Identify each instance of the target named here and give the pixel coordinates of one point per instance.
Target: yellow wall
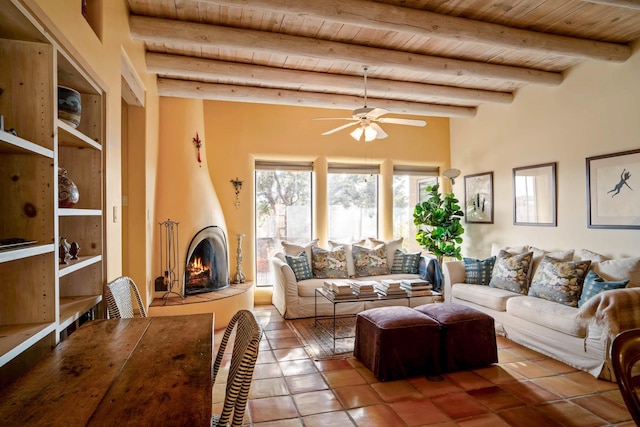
(240, 133)
(594, 112)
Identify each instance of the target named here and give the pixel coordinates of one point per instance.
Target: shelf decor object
(239, 277)
(69, 106)
(68, 194)
(169, 263)
(612, 190)
(478, 198)
(534, 195)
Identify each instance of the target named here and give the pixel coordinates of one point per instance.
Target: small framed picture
(534, 195)
(613, 190)
(478, 198)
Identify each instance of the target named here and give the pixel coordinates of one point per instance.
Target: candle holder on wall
(237, 185)
(169, 263)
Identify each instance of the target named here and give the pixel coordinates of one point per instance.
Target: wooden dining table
(154, 371)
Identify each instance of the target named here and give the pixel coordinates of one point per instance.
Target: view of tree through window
(353, 206)
(405, 198)
(283, 212)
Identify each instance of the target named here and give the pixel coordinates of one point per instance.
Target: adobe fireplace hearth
(207, 262)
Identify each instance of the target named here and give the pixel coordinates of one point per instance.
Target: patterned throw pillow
(370, 262)
(594, 284)
(329, 264)
(478, 272)
(559, 281)
(300, 266)
(510, 272)
(405, 262)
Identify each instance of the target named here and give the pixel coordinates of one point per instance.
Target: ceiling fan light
(370, 134)
(357, 133)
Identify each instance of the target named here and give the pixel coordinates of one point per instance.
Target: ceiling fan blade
(335, 118)
(399, 121)
(329, 132)
(377, 112)
(381, 134)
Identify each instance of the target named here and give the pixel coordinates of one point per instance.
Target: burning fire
(197, 270)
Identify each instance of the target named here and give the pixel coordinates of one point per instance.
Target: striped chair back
(119, 302)
(243, 360)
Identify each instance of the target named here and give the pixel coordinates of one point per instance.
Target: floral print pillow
(511, 272)
(559, 281)
(370, 261)
(329, 264)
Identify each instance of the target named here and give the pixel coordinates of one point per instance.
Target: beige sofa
(296, 299)
(580, 337)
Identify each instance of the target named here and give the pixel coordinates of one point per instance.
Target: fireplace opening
(207, 262)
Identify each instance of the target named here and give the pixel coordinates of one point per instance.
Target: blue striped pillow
(478, 272)
(300, 266)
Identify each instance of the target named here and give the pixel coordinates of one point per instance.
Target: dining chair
(119, 301)
(625, 355)
(248, 333)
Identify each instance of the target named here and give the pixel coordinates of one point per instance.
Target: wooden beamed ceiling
(428, 58)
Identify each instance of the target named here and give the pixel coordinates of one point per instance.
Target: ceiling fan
(367, 119)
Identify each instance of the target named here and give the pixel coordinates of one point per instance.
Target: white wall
(595, 111)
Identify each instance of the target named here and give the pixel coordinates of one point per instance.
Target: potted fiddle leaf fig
(437, 221)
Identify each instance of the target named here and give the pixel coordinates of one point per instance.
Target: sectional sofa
(570, 307)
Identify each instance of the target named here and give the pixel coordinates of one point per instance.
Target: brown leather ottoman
(397, 342)
(468, 336)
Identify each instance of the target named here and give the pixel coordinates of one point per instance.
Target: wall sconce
(237, 185)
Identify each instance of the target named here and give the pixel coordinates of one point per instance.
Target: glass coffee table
(322, 293)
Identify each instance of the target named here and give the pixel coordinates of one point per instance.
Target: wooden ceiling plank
(170, 31)
(401, 19)
(219, 92)
(630, 4)
(246, 74)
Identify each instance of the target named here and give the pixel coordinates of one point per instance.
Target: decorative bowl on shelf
(68, 194)
(69, 106)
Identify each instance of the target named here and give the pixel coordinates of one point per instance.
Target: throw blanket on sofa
(615, 310)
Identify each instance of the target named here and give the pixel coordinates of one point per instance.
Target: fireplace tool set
(169, 259)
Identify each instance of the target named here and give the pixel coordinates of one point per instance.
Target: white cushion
(294, 249)
(619, 269)
(391, 246)
(513, 250)
(549, 314)
(493, 298)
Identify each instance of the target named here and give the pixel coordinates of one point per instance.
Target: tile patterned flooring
(525, 388)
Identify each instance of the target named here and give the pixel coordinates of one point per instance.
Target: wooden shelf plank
(11, 144)
(70, 137)
(71, 308)
(78, 264)
(79, 212)
(14, 339)
(25, 251)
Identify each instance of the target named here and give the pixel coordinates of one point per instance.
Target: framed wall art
(478, 198)
(613, 190)
(534, 195)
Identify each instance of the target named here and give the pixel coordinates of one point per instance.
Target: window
(283, 211)
(407, 182)
(353, 201)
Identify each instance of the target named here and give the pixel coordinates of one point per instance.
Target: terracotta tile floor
(525, 388)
